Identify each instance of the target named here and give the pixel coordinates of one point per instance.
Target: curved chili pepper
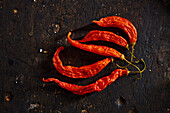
(126, 25)
(101, 50)
(99, 85)
(96, 35)
(79, 72)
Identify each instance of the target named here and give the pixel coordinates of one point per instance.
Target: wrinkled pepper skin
(97, 35)
(97, 49)
(122, 23)
(99, 85)
(78, 72)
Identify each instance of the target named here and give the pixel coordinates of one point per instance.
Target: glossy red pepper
(97, 35)
(124, 24)
(99, 85)
(79, 72)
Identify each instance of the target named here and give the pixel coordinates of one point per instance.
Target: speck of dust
(43, 5)
(56, 28)
(15, 11)
(32, 106)
(150, 70)
(41, 50)
(83, 111)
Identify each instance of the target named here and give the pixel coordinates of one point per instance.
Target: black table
(31, 31)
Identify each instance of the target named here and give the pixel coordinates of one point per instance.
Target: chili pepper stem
(127, 46)
(112, 60)
(131, 58)
(138, 71)
(123, 58)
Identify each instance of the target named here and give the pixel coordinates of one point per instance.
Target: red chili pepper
(126, 25)
(99, 85)
(79, 72)
(96, 35)
(101, 50)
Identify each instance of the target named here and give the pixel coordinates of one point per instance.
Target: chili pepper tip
(69, 33)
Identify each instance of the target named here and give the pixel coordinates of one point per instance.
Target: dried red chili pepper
(101, 50)
(79, 72)
(99, 85)
(126, 25)
(96, 35)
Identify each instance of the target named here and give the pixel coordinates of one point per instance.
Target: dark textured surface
(32, 28)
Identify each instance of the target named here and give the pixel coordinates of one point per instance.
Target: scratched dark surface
(28, 27)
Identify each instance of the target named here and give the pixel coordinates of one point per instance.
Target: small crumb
(151, 47)
(120, 101)
(15, 11)
(16, 82)
(150, 70)
(7, 98)
(32, 106)
(56, 28)
(90, 106)
(34, 96)
(43, 85)
(83, 111)
(30, 33)
(168, 109)
(41, 50)
(43, 5)
(58, 111)
(103, 5)
(45, 51)
(61, 103)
